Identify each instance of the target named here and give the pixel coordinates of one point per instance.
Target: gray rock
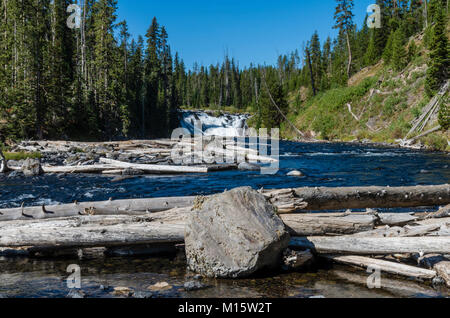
(295, 173)
(438, 281)
(245, 166)
(32, 167)
(143, 295)
(15, 174)
(234, 234)
(294, 260)
(194, 285)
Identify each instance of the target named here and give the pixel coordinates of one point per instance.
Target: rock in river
(32, 167)
(234, 235)
(295, 173)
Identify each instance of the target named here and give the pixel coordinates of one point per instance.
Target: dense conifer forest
(98, 82)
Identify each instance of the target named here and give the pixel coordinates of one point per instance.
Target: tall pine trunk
(349, 67)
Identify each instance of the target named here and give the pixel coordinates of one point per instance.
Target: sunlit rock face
(206, 124)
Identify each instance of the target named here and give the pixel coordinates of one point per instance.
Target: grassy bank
(22, 155)
(378, 105)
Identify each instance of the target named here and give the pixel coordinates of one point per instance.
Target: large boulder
(32, 167)
(234, 235)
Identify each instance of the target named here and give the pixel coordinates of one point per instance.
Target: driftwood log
(163, 169)
(393, 285)
(309, 224)
(93, 231)
(286, 200)
(374, 197)
(384, 266)
(116, 207)
(352, 245)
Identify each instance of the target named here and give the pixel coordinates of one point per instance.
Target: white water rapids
(203, 123)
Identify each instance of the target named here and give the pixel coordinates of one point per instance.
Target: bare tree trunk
(352, 245)
(425, 13)
(349, 67)
(385, 266)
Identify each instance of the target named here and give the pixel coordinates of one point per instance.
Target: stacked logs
(414, 245)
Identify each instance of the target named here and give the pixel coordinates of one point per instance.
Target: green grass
(327, 113)
(22, 155)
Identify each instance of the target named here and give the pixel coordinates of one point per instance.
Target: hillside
(379, 105)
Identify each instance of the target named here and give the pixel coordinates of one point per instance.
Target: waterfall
(231, 125)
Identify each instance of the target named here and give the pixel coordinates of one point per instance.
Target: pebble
(143, 295)
(194, 285)
(123, 292)
(295, 173)
(438, 281)
(160, 286)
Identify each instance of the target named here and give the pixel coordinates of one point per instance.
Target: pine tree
(344, 22)
(439, 61)
(151, 78)
(387, 53)
(399, 55)
(60, 71)
(412, 50)
(371, 55)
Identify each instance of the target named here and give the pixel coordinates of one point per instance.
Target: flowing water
(323, 165)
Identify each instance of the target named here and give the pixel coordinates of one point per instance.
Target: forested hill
(97, 82)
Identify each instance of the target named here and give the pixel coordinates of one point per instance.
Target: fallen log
(442, 213)
(352, 245)
(79, 235)
(407, 231)
(159, 169)
(112, 207)
(73, 169)
(393, 219)
(398, 287)
(309, 224)
(374, 197)
(384, 266)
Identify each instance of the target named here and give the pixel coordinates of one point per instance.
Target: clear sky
(249, 30)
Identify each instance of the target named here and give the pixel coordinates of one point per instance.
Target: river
(324, 164)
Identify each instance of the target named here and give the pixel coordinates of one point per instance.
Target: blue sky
(249, 30)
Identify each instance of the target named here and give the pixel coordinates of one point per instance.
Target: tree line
(98, 82)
